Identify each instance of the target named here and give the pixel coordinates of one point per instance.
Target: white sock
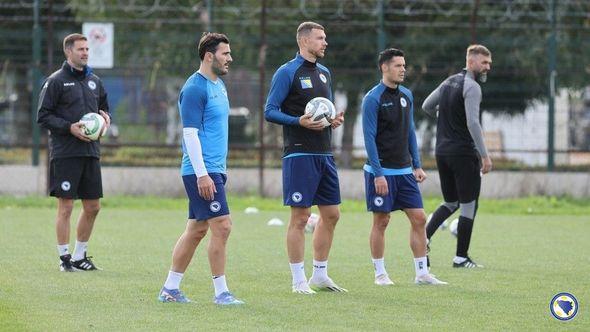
(173, 280)
(63, 249)
(220, 285)
(459, 259)
(379, 264)
(320, 270)
(420, 266)
(79, 250)
(298, 272)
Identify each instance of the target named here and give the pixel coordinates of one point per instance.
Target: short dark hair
(306, 27)
(387, 55)
(71, 39)
(209, 42)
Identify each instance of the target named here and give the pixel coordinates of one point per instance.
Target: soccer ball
(322, 109)
(312, 222)
(93, 125)
(453, 227)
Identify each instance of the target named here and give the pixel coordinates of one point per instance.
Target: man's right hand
(486, 164)
(381, 187)
(77, 129)
(206, 187)
(306, 121)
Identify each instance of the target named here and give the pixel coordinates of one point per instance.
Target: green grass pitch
(531, 248)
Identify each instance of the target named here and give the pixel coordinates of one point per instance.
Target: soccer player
(393, 167)
(204, 112)
(309, 171)
(461, 154)
(66, 96)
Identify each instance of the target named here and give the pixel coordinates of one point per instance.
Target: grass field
(532, 248)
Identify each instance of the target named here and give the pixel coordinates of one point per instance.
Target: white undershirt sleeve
(193, 149)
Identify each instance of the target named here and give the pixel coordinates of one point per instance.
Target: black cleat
(65, 264)
(468, 264)
(85, 264)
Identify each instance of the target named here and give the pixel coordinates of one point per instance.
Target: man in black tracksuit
(67, 95)
(461, 154)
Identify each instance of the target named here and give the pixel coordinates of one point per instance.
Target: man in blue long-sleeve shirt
(393, 167)
(309, 171)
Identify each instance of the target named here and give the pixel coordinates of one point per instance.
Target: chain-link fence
(154, 52)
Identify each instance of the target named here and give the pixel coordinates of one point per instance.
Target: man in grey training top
(461, 154)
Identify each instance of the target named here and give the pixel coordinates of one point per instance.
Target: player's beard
(318, 54)
(482, 77)
(218, 68)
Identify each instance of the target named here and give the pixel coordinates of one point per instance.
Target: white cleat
(429, 279)
(383, 280)
(302, 288)
(326, 285)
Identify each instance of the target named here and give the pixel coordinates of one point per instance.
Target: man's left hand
(107, 121)
(338, 120)
(420, 175)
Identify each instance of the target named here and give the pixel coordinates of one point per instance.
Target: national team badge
(305, 82)
(378, 201)
(564, 306)
(215, 206)
(403, 102)
(296, 197)
(65, 186)
(323, 78)
(91, 85)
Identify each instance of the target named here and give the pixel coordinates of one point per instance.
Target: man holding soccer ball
(67, 95)
(393, 167)
(309, 170)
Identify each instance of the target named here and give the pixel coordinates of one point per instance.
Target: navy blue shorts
(201, 209)
(403, 193)
(310, 180)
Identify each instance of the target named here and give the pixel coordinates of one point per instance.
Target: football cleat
(85, 264)
(227, 298)
(429, 279)
(468, 264)
(383, 280)
(172, 295)
(326, 285)
(302, 288)
(65, 263)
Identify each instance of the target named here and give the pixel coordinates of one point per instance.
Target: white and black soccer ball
(312, 222)
(453, 227)
(322, 109)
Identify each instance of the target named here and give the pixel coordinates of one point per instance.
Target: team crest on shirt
(91, 85)
(296, 197)
(224, 91)
(305, 82)
(403, 102)
(215, 206)
(378, 201)
(65, 186)
(323, 78)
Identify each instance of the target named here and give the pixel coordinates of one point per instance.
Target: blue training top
(389, 131)
(293, 85)
(203, 104)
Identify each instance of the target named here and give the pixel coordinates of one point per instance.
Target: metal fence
(155, 52)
